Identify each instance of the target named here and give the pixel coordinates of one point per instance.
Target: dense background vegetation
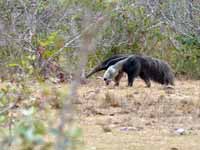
(46, 39)
(168, 30)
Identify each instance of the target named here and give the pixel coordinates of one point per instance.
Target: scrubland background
(46, 47)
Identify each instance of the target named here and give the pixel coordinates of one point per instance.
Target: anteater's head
(110, 74)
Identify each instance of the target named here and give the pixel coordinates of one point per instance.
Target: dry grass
(136, 118)
(140, 118)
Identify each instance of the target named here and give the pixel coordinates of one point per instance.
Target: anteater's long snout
(107, 81)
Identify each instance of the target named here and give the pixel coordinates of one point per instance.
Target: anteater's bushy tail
(159, 71)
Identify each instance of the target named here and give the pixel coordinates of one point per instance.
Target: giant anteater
(147, 68)
(107, 63)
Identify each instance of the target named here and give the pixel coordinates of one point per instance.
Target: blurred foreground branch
(87, 43)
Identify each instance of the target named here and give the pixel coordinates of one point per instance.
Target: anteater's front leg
(118, 78)
(132, 75)
(130, 79)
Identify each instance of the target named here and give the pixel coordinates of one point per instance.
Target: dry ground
(132, 118)
(140, 118)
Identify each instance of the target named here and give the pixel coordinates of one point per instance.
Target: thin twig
(8, 108)
(68, 43)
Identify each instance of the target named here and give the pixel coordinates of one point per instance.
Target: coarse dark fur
(147, 68)
(107, 63)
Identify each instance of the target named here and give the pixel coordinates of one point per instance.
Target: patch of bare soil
(140, 118)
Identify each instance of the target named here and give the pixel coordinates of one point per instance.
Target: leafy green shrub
(23, 117)
(187, 58)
